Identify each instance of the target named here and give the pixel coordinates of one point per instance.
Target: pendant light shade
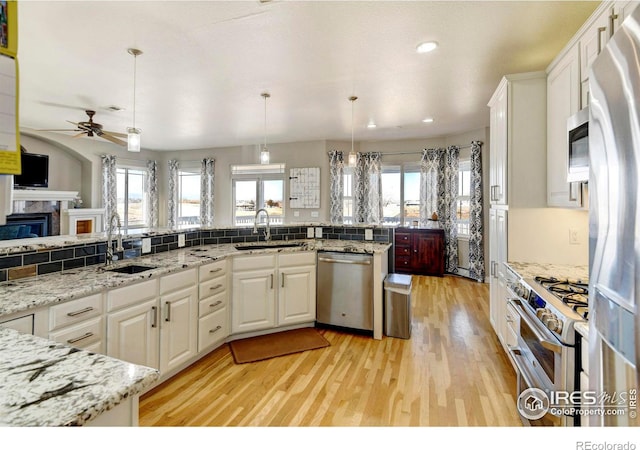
(133, 133)
(264, 152)
(352, 154)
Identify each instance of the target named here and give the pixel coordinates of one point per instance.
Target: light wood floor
(452, 372)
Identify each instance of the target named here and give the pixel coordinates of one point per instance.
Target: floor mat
(276, 344)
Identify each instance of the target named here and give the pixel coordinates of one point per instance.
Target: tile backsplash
(39, 262)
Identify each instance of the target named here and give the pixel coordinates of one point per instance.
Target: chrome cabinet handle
(493, 269)
(213, 288)
(168, 318)
(213, 305)
(81, 311)
(219, 327)
(600, 31)
(216, 270)
(612, 18)
(573, 193)
(84, 336)
(271, 281)
(282, 277)
(154, 317)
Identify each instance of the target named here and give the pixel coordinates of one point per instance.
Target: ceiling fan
(92, 128)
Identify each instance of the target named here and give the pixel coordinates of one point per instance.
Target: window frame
(402, 169)
(463, 226)
(193, 170)
(124, 220)
(255, 174)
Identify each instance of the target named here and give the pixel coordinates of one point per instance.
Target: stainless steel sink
(263, 246)
(131, 269)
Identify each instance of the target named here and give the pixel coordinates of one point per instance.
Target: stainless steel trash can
(397, 305)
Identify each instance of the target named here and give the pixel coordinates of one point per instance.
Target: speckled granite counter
(43, 383)
(531, 270)
(44, 290)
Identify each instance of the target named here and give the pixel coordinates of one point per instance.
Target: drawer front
(402, 238)
(403, 261)
(130, 295)
(297, 259)
(213, 303)
(254, 262)
(212, 328)
(210, 271)
(177, 281)
(75, 311)
(80, 335)
(402, 251)
(212, 287)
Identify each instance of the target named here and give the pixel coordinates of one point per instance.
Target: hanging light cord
(135, 58)
(265, 120)
(352, 100)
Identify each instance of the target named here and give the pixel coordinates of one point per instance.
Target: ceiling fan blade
(114, 133)
(74, 123)
(113, 139)
(58, 130)
(79, 134)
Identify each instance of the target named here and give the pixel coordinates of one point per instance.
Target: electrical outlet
(310, 232)
(181, 240)
(296, 214)
(574, 236)
(318, 232)
(315, 214)
(368, 234)
(146, 245)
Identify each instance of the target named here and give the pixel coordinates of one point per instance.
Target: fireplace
(39, 224)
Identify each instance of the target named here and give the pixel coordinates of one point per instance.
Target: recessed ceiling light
(427, 120)
(426, 47)
(371, 125)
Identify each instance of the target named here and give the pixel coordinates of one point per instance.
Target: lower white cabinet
(79, 323)
(213, 305)
(178, 327)
(273, 290)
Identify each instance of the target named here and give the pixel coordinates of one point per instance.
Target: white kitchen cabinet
(133, 323)
(213, 305)
(498, 227)
(269, 291)
(563, 100)
(79, 323)
(517, 147)
(178, 327)
(30, 322)
(591, 44)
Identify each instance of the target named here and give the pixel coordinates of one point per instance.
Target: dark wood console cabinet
(419, 251)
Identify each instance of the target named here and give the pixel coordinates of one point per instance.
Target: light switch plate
(318, 232)
(181, 240)
(368, 234)
(310, 232)
(146, 245)
(314, 214)
(296, 214)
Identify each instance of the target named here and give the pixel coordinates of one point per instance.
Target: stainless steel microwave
(578, 146)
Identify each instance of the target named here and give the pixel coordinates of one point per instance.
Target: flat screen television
(35, 171)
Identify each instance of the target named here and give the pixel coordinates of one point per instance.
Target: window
(400, 194)
(132, 202)
(347, 197)
(464, 197)
(188, 197)
(255, 187)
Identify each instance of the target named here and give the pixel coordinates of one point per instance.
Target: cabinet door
(563, 100)
(591, 44)
(297, 295)
(133, 334)
(498, 255)
(253, 300)
(178, 328)
(499, 145)
(428, 251)
(493, 275)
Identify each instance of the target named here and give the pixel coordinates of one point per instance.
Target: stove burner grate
(574, 294)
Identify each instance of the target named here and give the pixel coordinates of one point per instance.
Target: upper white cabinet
(563, 100)
(517, 134)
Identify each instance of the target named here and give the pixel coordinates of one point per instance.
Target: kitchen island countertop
(43, 383)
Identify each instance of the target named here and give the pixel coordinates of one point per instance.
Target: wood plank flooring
(452, 372)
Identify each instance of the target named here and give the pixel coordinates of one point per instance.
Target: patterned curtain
(368, 188)
(172, 210)
(447, 201)
(109, 186)
(206, 191)
(152, 193)
(476, 231)
(429, 184)
(439, 194)
(336, 192)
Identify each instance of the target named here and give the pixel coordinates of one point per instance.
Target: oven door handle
(530, 378)
(535, 328)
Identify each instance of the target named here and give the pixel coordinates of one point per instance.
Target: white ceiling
(205, 64)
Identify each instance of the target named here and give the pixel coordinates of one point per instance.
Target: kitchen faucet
(109, 256)
(267, 230)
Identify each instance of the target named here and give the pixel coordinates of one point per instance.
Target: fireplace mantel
(44, 195)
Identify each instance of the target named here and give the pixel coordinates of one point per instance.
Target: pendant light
(133, 133)
(352, 154)
(264, 152)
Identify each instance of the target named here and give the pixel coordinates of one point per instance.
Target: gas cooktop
(573, 293)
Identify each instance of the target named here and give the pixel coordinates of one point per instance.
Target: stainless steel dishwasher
(345, 290)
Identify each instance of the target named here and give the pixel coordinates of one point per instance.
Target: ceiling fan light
(133, 139)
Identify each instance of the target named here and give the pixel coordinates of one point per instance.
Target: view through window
(188, 197)
(401, 194)
(464, 197)
(132, 203)
(256, 187)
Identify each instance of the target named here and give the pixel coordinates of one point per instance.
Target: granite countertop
(44, 290)
(531, 270)
(43, 383)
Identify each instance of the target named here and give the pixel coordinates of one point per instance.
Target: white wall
(65, 169)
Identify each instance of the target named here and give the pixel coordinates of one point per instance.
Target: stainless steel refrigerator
(614, 228)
